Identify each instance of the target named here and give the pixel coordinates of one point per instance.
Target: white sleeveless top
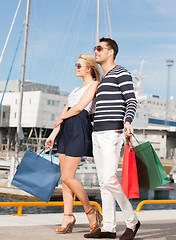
(75, 96)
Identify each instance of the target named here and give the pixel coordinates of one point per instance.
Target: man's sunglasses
(78, 66)
(99, 48)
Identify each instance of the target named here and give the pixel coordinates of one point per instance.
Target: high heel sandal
(69, 227)
(99, 218)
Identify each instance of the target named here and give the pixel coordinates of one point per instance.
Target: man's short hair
(112, 44)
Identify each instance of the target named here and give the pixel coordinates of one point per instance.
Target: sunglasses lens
(78, 65)
(99, 48)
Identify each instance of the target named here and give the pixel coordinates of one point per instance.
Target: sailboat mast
(23, 73)
(110, 31)
(2, 54)
(98, 20)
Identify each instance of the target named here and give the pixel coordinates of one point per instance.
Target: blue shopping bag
(37, 175)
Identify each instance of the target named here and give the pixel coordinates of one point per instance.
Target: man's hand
(128, 129)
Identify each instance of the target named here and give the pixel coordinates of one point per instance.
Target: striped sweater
(115, 100)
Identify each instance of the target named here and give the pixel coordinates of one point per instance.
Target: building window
(53, 102)
(57, 103)
(52, 117)
(3, 115)
(15, 101)
(15, 115)
(29, 100)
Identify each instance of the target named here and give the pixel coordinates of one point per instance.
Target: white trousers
(106, 151)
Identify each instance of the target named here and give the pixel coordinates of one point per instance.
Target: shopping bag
(151, 173)
(37, 175)
(129, 178)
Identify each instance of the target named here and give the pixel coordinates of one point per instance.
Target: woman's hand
(58, 121)
(49, 142)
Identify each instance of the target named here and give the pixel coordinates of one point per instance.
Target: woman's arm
(50, 140)
(65, 109)
(58, 120)
(84, 101)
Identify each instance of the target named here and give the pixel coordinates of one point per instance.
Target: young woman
(74, 141)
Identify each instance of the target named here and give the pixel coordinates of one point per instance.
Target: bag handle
(50, 152)
(129, 141)
(135, 138)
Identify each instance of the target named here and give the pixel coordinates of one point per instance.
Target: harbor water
(58, 209)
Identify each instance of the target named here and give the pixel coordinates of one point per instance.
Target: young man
(115, 110)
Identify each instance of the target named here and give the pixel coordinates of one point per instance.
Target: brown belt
(119, 131)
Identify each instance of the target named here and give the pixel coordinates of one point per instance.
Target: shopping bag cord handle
(129, 141)
(50, 152)
(135, 138)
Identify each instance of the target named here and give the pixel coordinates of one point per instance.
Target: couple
(114, 111)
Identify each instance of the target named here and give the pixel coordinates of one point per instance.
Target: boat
(4, 170)
(172, 175)
(152, 122)
(86, 174)
(155, 121)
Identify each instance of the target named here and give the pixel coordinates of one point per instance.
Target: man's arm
(127, 90)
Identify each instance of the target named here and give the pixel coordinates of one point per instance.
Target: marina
(93, 193)
(27, 114)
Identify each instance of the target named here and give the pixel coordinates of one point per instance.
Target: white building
(155, 121)
(42, 104)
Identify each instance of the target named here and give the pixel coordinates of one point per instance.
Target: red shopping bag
(129, 179)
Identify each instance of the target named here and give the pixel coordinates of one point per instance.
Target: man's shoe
(99, 234)
(129, 234)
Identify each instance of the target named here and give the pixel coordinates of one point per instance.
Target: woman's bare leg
(68, 196)
(68, 170)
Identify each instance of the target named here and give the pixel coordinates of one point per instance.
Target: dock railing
(153, 202)
(20, 205)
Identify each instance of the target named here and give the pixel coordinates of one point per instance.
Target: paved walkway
(159, 225)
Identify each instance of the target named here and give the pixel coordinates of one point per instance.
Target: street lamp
(169, 63)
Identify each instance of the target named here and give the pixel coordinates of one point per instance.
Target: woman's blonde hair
(90, 62)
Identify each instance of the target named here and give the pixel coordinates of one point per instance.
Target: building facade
(42, 104)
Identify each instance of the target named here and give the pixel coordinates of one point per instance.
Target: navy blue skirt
(75, 136)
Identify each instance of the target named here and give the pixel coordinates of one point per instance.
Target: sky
(59, 31)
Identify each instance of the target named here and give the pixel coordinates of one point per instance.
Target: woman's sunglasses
(78, 66)
(99, 48)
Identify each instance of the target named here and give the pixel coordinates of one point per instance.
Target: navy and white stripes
(115, 100)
